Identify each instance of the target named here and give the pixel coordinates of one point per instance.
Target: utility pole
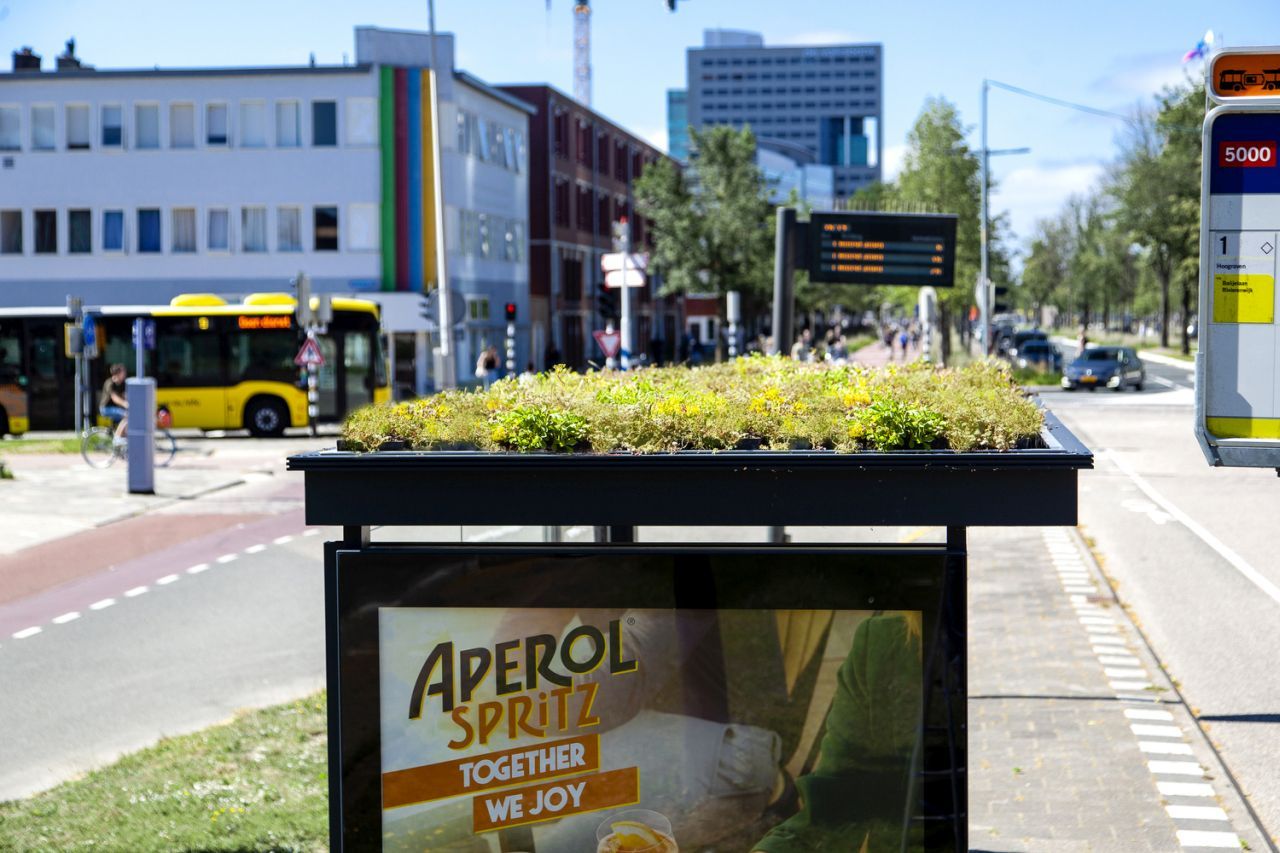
(75, 342)
(987, 303)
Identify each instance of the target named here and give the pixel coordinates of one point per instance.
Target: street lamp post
(987, 303)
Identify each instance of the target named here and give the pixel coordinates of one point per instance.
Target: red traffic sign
(309, 355)
(609, 342)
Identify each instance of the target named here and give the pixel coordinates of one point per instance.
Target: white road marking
(1082, 590)
(255, 549)
(135, 592)
(1096, 620)
(198, 568)
(1106, 641)
(1199, 838)
(282, 540)
(104, 603)
(1196, 812)
(1130, 685)
(1156, 747)
(166, 580)
(1185, 789)
(311, 531)
(226, 558)
(1124, 673)
(1119, 660)
(66, 617)
(1137, 714)
(27, 632)
(1102, 629)
(1160, 380)
(1148, 730)
(1175, 768)
(1239, 563)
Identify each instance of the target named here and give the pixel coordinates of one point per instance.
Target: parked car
(1039, 355)
(1023, 337)
(1105, 367)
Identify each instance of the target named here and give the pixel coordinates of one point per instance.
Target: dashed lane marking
(1148, 730)
(1185, 789)
(198, 568)
(135, 592)
(104, 603)
(1196, 812)
(1197, 838)
(1176, 768)
(255, 549)
(1142, 714)
(27, 632)
(282, 540)
(66, 617)
(226, 558)
(166, 580)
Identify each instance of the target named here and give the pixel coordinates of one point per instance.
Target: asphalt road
(1192, 550)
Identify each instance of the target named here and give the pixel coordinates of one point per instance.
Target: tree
(713, 227)
(941, 173)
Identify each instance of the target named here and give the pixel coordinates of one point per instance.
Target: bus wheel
(266, 418)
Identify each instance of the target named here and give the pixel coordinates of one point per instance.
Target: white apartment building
(132, 186)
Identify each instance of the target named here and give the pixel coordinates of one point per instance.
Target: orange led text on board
(267, 321)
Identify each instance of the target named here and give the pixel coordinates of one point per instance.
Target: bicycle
(100, 447)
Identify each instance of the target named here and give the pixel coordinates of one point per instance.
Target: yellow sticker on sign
(1244, 298)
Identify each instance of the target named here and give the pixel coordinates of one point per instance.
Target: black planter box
(1031, 486)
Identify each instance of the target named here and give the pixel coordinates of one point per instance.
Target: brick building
(581, 170)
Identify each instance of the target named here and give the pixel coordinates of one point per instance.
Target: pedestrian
(1083, 342)
(902, 342)
(801, 350)
(487, 366)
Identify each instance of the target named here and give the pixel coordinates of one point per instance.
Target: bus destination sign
(882, 248)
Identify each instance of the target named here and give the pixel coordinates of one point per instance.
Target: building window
(10, 232)
(562, 134)
(146, 129)
(603, 144)
(584, 143)
(215, 124)
(42, 133)
(77, 127)
(149, 230)
(219, 237)
(46, 232)
(326, 229)
(585, 209)
(184, 230)
(362, 228)
(478, 309)
(288, 124)
(362, 121)
(253, 229)
(182, 126)
(324, 123)
(253, 124)
(562, 202)
(620, 161)
(603, 222)
(10, 129)
(78, 230)
(113, 230)
(288, 229)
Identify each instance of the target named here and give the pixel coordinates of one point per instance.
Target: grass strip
(40, 445)
(259, 782)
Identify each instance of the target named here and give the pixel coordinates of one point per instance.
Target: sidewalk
(878, 355)
(1077, 739)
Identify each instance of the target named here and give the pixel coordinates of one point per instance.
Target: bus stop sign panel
(1238, 366)
(1249, 73)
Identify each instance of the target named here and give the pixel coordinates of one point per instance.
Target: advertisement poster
(573, 730)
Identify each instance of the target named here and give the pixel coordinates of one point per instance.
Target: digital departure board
(882, 248)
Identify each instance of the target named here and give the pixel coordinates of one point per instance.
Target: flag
(1202, 48)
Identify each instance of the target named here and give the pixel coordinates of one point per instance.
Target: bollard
(141, 394)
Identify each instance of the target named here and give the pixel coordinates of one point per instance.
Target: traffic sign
(1245, 74)
(309, 355)
(1237, 375)
(144, 333)
(611, 261)
(609, 341)
(618, 278)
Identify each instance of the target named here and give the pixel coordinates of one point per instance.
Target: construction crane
(582, 48)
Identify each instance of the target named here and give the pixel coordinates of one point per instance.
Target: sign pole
(624, 357)
(733, 314)
(784, 270)
(75, 308)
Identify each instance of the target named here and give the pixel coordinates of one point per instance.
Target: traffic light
(607, 302)
(1001, 307)
(511, 312)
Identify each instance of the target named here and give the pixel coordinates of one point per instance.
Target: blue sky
(1110, 55)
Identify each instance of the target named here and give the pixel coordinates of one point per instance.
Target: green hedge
(771, 403)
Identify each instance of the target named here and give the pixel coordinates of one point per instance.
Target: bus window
(357, 363)
(188, 352)
(263, 355)
(10, 351)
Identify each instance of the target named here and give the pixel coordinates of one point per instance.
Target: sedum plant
(755, 402)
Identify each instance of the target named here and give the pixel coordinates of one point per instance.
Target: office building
(132, 186)
(826, 100)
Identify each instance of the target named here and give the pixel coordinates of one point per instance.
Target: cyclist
(113, 403)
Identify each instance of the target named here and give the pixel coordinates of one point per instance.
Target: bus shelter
(658, 696)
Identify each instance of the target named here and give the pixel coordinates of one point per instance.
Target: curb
(1226, 788)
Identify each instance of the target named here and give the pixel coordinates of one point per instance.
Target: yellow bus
(217, 365)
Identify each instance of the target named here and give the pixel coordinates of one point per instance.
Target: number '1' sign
(1246, 154)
